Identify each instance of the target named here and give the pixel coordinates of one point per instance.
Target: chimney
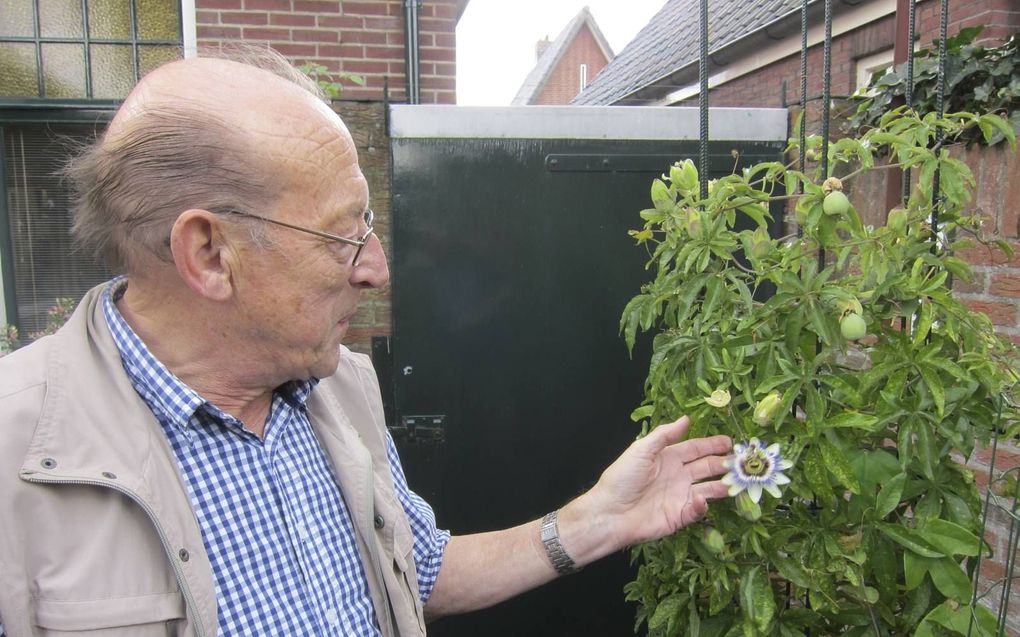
(541, 46)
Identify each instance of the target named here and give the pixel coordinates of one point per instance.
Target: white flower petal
(754, 492)
(727, 479)
(773, 490)
(780, 478)
(735, 489)
(773, 449)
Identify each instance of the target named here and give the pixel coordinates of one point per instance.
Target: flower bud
(684, 175)
(713, 540)
(766, 409)
(747, 508)
(761, 243)
(694, 223)
(897, 220)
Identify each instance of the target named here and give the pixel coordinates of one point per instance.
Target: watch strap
(550, 535)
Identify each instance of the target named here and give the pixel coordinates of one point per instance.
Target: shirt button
(332, 617)
(380, 521)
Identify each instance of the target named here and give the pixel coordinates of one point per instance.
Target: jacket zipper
(178, 572)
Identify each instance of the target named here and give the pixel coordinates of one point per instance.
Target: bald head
(200, 133)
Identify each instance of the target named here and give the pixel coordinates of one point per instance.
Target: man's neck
(197, 352)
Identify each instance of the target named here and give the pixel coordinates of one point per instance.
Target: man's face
(297, 297)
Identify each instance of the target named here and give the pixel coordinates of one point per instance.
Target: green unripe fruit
(853, 327)
(897, 220)
(836, 204)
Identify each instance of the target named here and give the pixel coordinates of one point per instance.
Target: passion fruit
(836, 204)
(852, 326)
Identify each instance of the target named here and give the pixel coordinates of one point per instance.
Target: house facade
(565, 66)
(66, 64)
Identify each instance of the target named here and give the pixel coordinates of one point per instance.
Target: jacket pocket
(157, 615)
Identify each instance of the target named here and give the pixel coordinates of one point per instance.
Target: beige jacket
(96, 529)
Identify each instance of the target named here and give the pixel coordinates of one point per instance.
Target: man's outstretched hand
(658, 485)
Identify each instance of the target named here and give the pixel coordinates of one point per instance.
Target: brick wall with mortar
(563, 83)
(994, 290)
(764, 86)
(367, 122)
(365, 38)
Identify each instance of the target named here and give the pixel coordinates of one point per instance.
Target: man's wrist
(550, 536)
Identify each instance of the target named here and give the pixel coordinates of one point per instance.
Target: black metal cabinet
(511, 265)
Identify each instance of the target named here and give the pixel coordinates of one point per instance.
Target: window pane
(158, 19)
(113, 74)
(18, 77)
(109, 20)
(46, 264)
(149, 57)
(60, 18)
(16, 18)
(64, 70)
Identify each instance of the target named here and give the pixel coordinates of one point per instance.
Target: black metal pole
(703, 103)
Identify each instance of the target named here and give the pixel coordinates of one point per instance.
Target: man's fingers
(707, 467)
(691, 450)
(714, 490)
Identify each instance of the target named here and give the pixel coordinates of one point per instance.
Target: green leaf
(950, 538)
(908, 540)
(882, 565)
(642, 412)
(925, 450)
(915, 568)
(756, 600)
(889, 496)
(668, 608)
(838, 465)
(791, 570)
(853, 420)
(660, 196)
(813, 466)
(949, 578)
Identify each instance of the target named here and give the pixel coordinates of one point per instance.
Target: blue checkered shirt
(273, 518)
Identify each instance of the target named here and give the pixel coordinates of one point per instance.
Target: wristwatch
(551, 540)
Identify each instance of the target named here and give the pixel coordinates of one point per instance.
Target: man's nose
(372, 270)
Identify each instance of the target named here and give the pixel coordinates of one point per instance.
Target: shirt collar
(164, 393)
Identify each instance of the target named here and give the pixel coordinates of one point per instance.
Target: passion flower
(754, 468)
(719, 398)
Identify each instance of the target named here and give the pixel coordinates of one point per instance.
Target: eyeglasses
(369, 218)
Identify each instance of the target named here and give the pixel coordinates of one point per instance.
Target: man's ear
(203, 255)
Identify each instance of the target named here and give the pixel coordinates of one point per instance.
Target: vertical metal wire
(940, 98)
(826, 105)
(703, 103)
(803, 88)
(909, 94)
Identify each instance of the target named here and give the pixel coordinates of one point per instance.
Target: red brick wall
(366, 38)
(994, 290)
(763, 87)
(563, 84)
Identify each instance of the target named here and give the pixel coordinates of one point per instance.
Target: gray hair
(130, 189)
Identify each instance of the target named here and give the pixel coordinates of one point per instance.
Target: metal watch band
(551, 540)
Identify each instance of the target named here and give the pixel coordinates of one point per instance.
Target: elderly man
(195, 453)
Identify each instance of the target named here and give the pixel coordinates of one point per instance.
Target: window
(46, 265)
(871, 64)
(584, 76)
(84, 49)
